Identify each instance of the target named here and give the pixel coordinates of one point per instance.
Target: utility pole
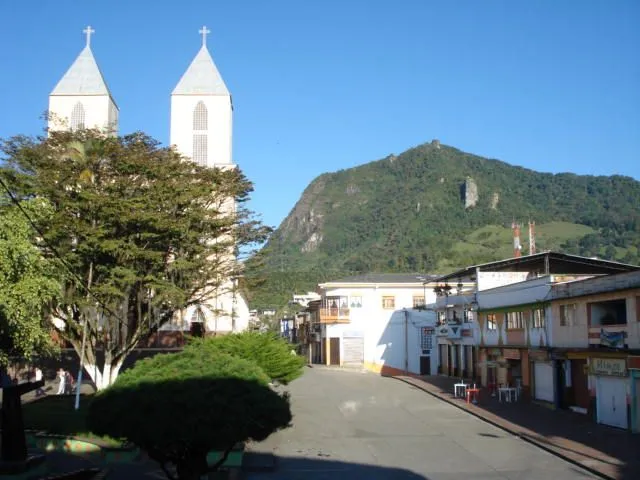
(406, 340)
(517, 247)
(532, 237)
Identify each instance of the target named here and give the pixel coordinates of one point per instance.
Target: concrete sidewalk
(607, 452)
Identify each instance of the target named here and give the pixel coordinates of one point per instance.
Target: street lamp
(79, 381)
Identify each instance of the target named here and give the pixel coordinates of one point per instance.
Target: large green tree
(141, 231)
(28, 284)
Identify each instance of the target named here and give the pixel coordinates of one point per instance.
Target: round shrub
(178, 407)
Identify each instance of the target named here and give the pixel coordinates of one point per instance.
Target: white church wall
(99, 111)
(219, 118)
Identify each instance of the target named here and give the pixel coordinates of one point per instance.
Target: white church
(201, 129)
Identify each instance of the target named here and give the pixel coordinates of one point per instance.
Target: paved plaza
(357, 425)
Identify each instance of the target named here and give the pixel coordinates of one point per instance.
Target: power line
(16, 202)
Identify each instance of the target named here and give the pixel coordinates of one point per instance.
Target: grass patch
(56, 414)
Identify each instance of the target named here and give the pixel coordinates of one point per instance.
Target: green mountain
(434, 208)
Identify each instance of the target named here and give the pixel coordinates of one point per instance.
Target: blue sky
(324, 85)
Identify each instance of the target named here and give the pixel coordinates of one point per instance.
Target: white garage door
(543, 381)
(611, 401)
(353, 351)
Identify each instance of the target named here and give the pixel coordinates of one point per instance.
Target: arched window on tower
(200, 116)
(200, 140)
(77, 117)
(198, 323)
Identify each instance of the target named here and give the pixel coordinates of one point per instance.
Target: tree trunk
(102, 378)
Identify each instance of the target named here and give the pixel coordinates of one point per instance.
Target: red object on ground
(472, 392)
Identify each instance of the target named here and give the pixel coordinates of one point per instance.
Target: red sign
(511, 354)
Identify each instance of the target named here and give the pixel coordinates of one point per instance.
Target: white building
(201, 129)
(377, 321)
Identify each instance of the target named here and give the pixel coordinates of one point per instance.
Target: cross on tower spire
(88, 31)
(204, 31)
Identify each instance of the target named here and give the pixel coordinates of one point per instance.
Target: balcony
(330, 315)
(608, 323)
(449, 301)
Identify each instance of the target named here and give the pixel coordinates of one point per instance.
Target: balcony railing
(334, 315)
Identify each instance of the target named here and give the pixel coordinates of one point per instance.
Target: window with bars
(492, 321)
(198, 315)
(426, 339)
(388, 302)
(418, 301)
(77, 117)
(567, 315)
(515, 321)
(200, 117)
(200, 140)
(538, 318)
(200, 149)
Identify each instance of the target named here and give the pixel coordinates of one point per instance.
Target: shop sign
(538, 355)
(467, 332)
(442, 331)
(616, 367)
(633, 363)
(511, 353)
(449, 331)
(494, 351)
(488, 364)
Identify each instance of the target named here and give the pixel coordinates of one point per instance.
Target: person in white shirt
(37, 376)
(61, 385)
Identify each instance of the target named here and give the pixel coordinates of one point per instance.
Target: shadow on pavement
(572, 434)
(290, 468)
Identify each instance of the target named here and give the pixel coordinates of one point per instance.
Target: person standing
(61, 385)
(37, 376)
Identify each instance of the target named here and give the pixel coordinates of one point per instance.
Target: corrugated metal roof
(545, 263)
(386, 278)
(201, 78)
(83, 77)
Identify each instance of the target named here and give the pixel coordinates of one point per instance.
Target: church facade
(201, 122)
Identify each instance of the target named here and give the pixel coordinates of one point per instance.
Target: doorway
(334, 351)
(425, 365)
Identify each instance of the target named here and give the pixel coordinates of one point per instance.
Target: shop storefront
(503, 366)
(609, 378)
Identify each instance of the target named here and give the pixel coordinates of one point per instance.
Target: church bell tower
(201, 112)
(81, 99)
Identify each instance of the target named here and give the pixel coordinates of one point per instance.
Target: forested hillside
(433, 209)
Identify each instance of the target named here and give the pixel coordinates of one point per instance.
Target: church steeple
(201, 112)
(202, 77)
(81, 99)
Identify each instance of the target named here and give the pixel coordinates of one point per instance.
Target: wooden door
(579, 383)
(425, 365)
(334, 351)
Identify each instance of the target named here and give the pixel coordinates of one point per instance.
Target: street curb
(511, 431)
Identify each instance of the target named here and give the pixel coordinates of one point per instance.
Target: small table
(508, 392)
(461, 386)
(472, 395)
